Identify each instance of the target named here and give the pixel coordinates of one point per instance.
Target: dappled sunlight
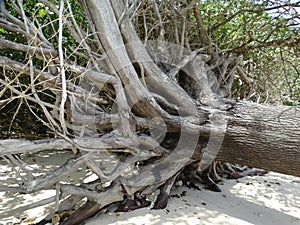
(39, 164)
(206, 217)
(279, 192)
(115, 106)
(11, 202)
(162, 217)
(246, 201)
(270, 199)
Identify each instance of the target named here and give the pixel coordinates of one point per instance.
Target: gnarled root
(192, 174)
(133, 203)
(231, 171)
(84, 212)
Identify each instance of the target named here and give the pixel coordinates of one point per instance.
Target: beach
(270, 199)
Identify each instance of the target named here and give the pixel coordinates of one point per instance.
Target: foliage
(267, 39)
(140, 91)
(15, 110)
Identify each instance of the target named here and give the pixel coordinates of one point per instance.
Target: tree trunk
(139, 114)
(263, 136)
(257, 135)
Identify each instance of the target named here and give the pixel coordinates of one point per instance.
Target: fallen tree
(263, 136)
(139, 114)
(257, 135)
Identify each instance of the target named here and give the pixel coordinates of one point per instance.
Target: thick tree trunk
(256, 135)
(263, 136)
(149, 111)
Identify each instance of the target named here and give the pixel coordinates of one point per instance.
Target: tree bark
(257, 135)
(263, 136)
(138, 113)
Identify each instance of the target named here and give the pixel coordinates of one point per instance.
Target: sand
(270, 199)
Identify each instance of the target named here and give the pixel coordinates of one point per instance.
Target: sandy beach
(270, 199)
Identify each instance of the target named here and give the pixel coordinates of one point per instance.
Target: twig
(162, 29)
(62, 70)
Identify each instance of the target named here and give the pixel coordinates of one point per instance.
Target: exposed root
(208, 181)
(131, 110)
(84, 212)
(214, 174)
(231, 171)
(192, 175)
(162, 200)
(132, 203)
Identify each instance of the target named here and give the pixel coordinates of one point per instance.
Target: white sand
(270, 199)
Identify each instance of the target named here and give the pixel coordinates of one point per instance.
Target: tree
(141, 94)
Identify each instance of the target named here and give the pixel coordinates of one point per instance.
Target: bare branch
(40, 52)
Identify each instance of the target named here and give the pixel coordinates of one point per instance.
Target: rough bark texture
(140, 110)
(263, 136)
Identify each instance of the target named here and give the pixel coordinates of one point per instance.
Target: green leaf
(3, 31)
(39, 4)
(42, 13)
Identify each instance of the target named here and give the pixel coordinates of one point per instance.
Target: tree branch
(40, 52)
